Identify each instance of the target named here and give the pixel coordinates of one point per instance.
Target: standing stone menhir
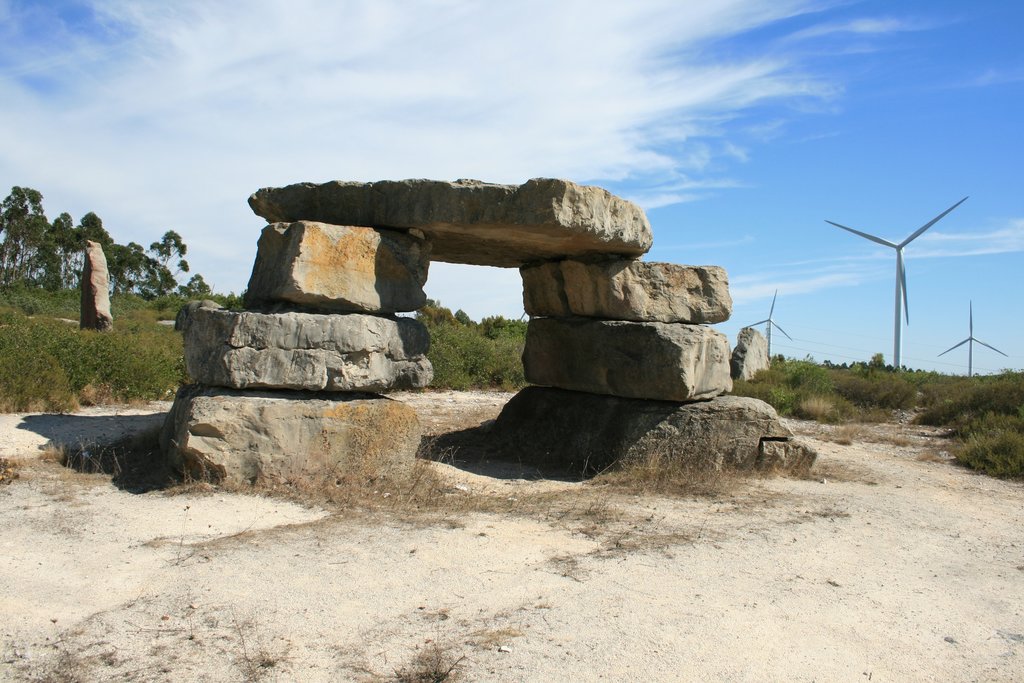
(95, 311)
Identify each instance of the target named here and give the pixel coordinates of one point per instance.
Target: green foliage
(50, 365)
(955, 401)
(994, 444)
(790, 387)
(466, 354)
(876, 390)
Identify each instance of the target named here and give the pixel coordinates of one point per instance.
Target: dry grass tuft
(492, 638)
(847, 434)
(432, 664)
(661, 474)
(817, 408)
(8, 471)
(932, 456)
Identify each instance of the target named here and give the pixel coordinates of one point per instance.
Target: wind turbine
(970, 345)
(771, 323)
(901, 278)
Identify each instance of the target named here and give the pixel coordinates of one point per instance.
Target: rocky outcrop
(750, 355)
(338, 268)
(623, 289)
(95, 310)
(585, 433)
(662, 361)
(303, 351)
(237, 437)
(468, 221)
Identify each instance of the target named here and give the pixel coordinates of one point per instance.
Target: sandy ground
(889, 564)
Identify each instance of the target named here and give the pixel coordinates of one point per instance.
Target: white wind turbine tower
(970, 344)
(901, 278)
(771, 323)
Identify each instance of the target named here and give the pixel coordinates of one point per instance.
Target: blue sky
(740, 126)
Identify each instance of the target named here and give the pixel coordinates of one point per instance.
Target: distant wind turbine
(901, 278)
(771, 323)
(970, 341)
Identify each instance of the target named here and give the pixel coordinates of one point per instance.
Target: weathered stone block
(468, 221)
(95, 310)
(339, 268)
(661, 361)
(750, 355)
(303, 351)
(585, 433)
(627, 290)
(252, 437)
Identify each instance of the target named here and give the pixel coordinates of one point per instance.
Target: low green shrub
(463, 358)
(468, 355)
(875, 390)
(958, 400)
(994, 444)
(49, 364)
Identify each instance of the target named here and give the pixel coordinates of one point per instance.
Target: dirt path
(891, 564)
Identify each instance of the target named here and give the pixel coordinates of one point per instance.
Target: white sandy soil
(890, 564)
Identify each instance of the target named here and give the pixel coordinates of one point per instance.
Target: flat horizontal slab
(585, 433)
(339, 268)
(304, 351)
(627, 290)
(469, 221)
(661, 361)
(247, 437)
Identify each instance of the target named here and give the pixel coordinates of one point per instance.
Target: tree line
(35, 252)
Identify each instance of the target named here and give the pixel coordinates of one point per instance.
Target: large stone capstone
(253, 437)
(627, 290)
(303, 351)
(338, 268)
(95, 310)
(585, 433)
(468, 221)
(662, 361)
(750, 355)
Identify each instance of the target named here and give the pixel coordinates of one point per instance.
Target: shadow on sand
(126, 447)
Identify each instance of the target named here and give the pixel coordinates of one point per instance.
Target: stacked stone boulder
(625, 364)
(290, 387)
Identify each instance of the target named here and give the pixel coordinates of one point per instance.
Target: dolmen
(620, 352)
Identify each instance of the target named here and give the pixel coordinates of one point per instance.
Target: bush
(957, 401)
(876, 390)
(994, 444)
(463, 359)
(465, 354)
(50, 365)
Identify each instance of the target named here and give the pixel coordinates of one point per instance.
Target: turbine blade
(990, 346)
(772, 309)
(917, 233)
(782, 331)
(759, 322)
(971, 319)
(954, 347)
(879, 240)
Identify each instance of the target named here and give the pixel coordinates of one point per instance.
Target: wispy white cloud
(167, 115)
(1004, 240)
(864, 26)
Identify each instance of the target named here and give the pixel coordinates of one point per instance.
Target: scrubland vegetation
(985, 414)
